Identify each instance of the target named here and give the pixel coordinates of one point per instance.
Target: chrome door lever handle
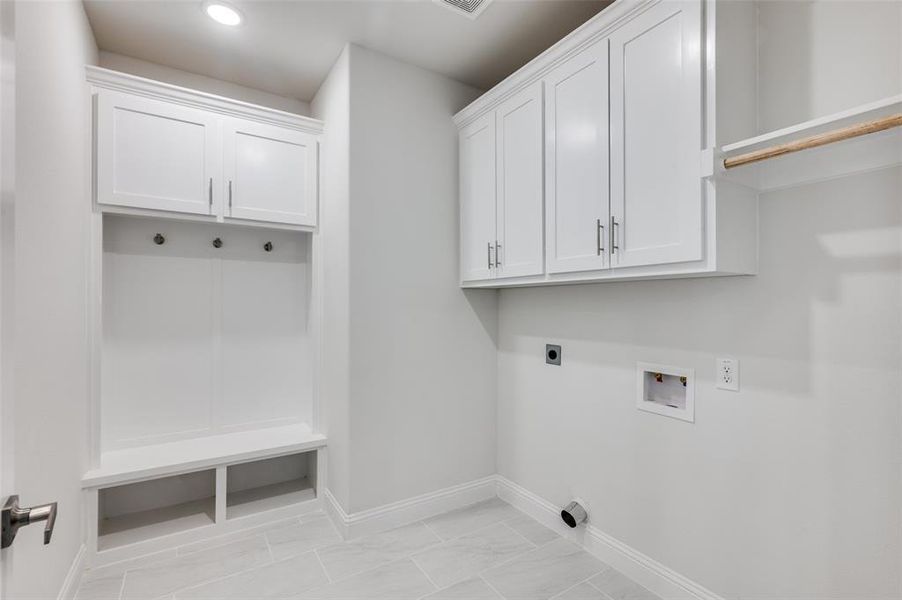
(13, 517)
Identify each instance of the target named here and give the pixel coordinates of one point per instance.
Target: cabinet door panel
(270, 173)
(656, 133)
(155, 155)
(477, 199)
(576, 177)
(520, 243)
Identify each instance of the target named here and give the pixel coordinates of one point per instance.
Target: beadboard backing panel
(239, 313)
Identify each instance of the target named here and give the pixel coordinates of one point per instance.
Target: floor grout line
(433, 531)
(492, 587)
(520, 535)
(578, 583)
(322, 564)
(121, 587)
(272, 557)
(426, 575)
(601, 591)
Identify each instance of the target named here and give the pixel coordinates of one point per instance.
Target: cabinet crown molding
(123, 82)
(590, 32)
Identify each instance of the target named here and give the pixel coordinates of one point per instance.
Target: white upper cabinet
(605, 152)
(577, 213)
(172, 150)
(153, 154)
(477, 199)
(656, 136)
(269, 173)
(518, 249)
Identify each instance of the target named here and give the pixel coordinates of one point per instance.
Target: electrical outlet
(727, 377)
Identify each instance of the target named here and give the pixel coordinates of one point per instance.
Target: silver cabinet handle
(614, 226)
(230, 196)
(599, 231)
(497, 254)
(210, 193)
(489, 253)
(13, 517)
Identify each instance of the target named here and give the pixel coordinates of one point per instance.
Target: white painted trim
(131, 84)
(335, 512)
(406, 511)
(643, 569)
(73, 577)
(590, 32)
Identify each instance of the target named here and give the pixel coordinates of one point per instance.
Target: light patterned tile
(583, 591)
(165, 577)
(401, 580)
(470, 518)
(531, 529)
(354, 556)
(100, 588)
(283, 579)
(620, 587)
(469, 589)
(544, 572)
(467, 555)
(299, 537)
(236, 536)
(119, 568)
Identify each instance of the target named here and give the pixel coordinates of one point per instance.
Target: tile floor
(486, 551)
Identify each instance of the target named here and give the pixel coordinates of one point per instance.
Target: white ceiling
(287, 47)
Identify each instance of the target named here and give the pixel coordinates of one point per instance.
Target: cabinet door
(520, 244)
(477, 199)
(577, 196)
(656, 136)
(270, 173)
(156, 155)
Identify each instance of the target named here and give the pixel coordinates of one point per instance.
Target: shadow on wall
(485, 306)
(811, 63)
(828, 289)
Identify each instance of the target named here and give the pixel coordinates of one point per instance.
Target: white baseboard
(406, 511)
(73, 577)
(646, 571)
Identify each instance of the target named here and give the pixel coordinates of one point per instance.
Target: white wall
(190, 332)
(423, 365)
(54, 42)
(417, 353)
(158, 72)
(791, 487)
(843, 53)
(330, 257)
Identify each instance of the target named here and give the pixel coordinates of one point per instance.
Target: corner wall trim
(641, 568)
(373, 520)
(73, 577)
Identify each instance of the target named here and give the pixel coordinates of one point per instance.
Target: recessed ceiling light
(223, 13)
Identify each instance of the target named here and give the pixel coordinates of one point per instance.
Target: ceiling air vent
(468, 8)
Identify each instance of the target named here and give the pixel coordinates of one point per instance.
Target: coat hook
(217, 243)
(268, 246)
(159, 240)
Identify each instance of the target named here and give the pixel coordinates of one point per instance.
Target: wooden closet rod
(814, 141)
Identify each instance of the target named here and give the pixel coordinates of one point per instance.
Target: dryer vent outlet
(574, 514)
